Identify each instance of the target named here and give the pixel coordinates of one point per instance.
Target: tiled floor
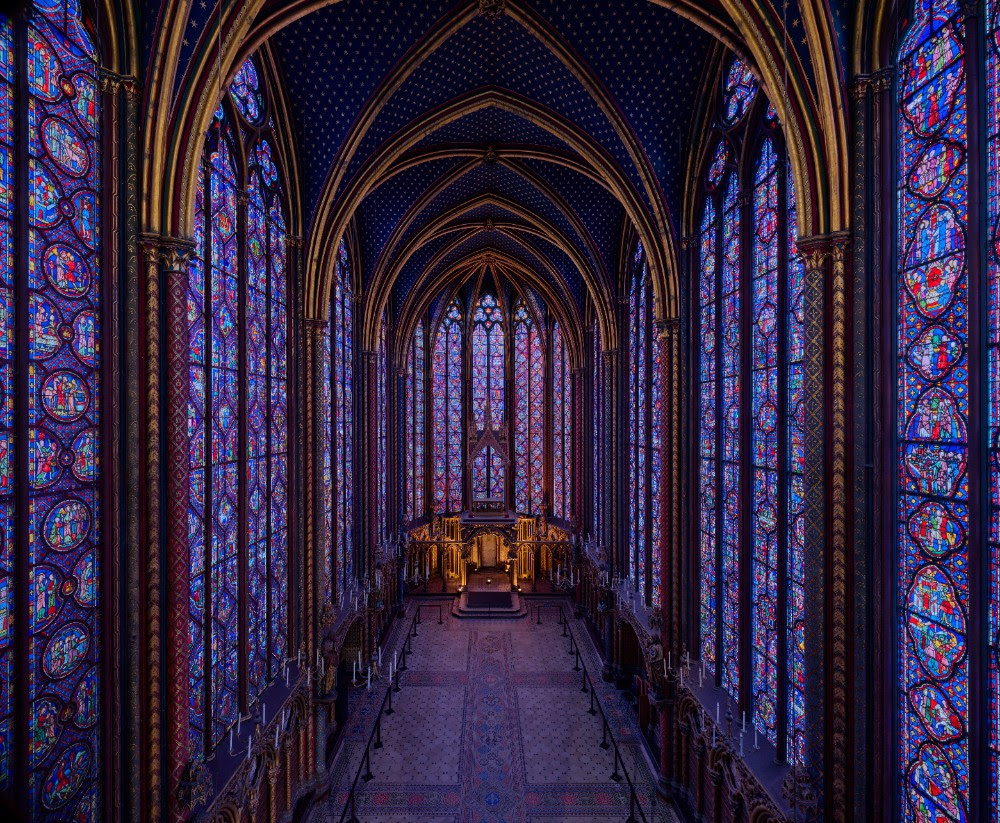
(491, 726)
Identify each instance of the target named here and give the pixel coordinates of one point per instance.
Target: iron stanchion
(614, 774)
(396, 687)
(604, 734)
(576, 668)
(592, 710)
(390, 709)
(378, 731)
(368, 766)
(565, 624)
(583, 678)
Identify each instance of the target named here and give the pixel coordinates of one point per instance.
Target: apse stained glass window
(50, 361)
(739, 91)
(447, 410)
(237, 424)
(561, 426)
(933, 415)
(529, 412)
(764, 444)
(415, 420)
(339, 354)
(487, 361)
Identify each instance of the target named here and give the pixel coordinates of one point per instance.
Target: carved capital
(293, 241)
(859, 87)
(195, 786)
(242, 198)
(881, 80)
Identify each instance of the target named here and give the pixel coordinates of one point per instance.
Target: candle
(309, 673)
(755, 738)
(276, 736)
(700, 678)
(668, 660)
(249, 744)
(741, 744)
(369, 678)
(664, 668)
(263, 714)
(239, 724)
(394, 659)
(354, 671)
(230, 739)
(359, 658)
(380, 655)
(713, 737)
(744, 721)
(286, 677)
(716, 711)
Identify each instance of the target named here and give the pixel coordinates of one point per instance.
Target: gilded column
(312, 584)
(150, 589)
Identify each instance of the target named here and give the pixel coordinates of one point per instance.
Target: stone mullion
(370, 472)
(110, 452)
(295, 389)
(587, 418)
(312, 582)
(608, 443)
(865, 160)
(548, 501)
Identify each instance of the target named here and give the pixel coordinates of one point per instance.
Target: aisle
(490, 727)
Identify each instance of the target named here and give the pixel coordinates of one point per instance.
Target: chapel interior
(499, 411)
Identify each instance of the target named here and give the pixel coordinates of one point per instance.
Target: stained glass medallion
(739, 90)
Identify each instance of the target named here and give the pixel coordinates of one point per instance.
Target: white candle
(354, 670)
(230, 739)
(668, 660)
(275, 736)
(263, 714)
(369, 678)
(700, 673)
(744, 721)
(380, 655)
(394, 659)
(716, 711)
(359, 658)
(249, 744)
(309, 675)
(239, 724)
(286, 677)
(741, 744)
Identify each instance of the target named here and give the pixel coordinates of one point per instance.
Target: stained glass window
(415, 419)
(382, 430)
(561, 426)
(447, 400)
(764, 444)
(795, 467)
(708, 435)
(739, 91)
(51, 366)
(529, 411)
(238, 428)
(245, 91)
(933, 415)
(487, 360)
(732, 389)
(338, 352)
(640, 332)
(993, 367)
(597, 444)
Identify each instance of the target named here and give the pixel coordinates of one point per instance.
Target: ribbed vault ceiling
(586, 117)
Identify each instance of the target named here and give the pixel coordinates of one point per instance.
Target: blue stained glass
(487, 358)
(730, 422)
(708, 431)
(61, 670)
(764, 445)
(415, 400)
(932, 424)
(562, 413)
(447, 421)
(341, 353)
(739, 91)
(528, 412)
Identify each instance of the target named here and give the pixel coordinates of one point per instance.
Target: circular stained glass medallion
(67, 524)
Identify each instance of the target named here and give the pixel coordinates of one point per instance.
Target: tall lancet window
(447, 409)
(382, 445)
(750, 435)
(414, 421)
(644, 438)
(237, 420)
(597, 444)
(488, 469)
(51, 448)
(338, 429)
(562, 408)
(946, 541)
(529, 412)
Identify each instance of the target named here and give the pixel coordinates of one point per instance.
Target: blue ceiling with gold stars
(623, 75)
